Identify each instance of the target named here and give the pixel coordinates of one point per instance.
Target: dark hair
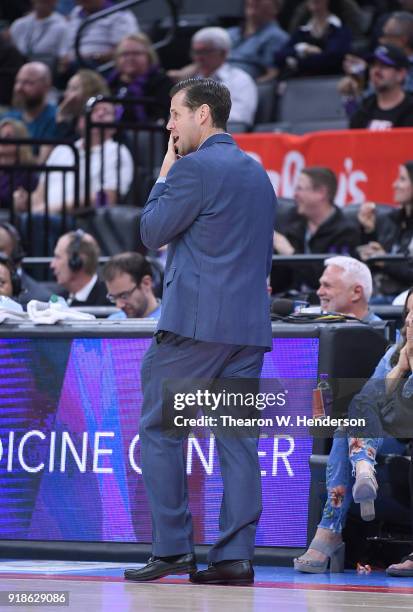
(7, 263)
(17, 253)
(130, 263)
(88, 250)
(409, 167)
(206, 91)
(15, 279)
(322, 177)
(395, 357)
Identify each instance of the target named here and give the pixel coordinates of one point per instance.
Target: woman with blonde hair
(137, 74)
(14, 155)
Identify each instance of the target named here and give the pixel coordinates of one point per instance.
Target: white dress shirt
(243, 90)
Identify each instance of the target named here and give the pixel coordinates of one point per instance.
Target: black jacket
(399, 116)
(32, 290)
(337, 235)
(395, 233)
(97, 297)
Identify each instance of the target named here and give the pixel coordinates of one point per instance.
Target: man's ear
(357, 293)
(204, 112)
(322, 189)
(146, 281)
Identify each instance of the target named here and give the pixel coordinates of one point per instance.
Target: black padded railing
(35, 225)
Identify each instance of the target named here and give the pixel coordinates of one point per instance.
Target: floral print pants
(341, 466)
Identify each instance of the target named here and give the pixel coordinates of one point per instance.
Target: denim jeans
(344, 454)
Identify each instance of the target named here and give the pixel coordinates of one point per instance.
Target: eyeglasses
(131, 53)
(27, 81)
(201, 52)
(124, 296)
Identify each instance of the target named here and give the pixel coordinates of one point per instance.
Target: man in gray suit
(215, 207)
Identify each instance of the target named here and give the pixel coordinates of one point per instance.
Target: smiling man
(346, 287)
(209, 51)
(215, 208)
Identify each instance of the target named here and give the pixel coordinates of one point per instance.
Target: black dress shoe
(157, 567)
(234, 572)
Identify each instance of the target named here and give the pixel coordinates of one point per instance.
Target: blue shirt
(44, 126)
(371, 317)
(155, 314)
(255, 53)
(384, 367)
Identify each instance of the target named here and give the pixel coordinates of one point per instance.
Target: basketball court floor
(99, 587)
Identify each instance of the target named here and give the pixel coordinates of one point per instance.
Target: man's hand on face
(170, 157)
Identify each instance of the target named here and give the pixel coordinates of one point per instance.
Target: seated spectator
(327, 547)
(390, 106)
(10, 244)
(316, 48)
(75, 265)
(40, 34)
(346, 287)
(347, 11)
(319, 227)
(397, 31)
(83, 85)
(102, 152)
(100, 39)
(128, 278)
(11, 60)
(209, 49)
(31, 89)
(137, 74)
(9, 283)
(12, 155)
(394, 234)
(395, 386)
(256, 41)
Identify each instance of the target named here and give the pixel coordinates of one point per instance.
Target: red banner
(365, 162)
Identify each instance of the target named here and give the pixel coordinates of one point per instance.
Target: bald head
(31, 86)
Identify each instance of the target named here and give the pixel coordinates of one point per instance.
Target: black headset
(75, 262)
(18, 253)
(16, 282)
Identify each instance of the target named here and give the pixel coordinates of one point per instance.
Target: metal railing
(145, 141)
(35, 226)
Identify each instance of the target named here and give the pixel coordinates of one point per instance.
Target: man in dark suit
(215, 207)
(74, 264)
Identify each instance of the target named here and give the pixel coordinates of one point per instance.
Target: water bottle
(326, 393)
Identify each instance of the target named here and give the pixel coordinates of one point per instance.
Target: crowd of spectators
(369, 45)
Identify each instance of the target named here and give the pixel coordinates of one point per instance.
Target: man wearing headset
(10, 245)
(75, 264)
